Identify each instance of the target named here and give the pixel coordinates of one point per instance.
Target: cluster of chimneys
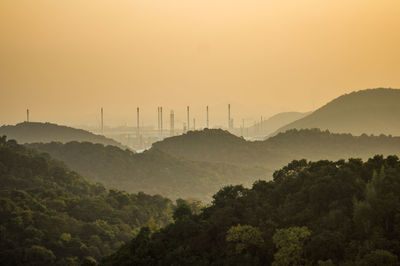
(186, 127)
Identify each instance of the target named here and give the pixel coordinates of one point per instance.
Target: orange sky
(66, 59)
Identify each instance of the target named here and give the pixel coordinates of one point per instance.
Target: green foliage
(52, 216)
(379, 258)
(311, 214)
(66, 237)
(290, 244)
(195, 206)
(325, 263)
(244, 237)
(182, 211)
(38, 255)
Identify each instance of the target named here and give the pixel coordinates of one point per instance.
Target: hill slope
(372, 111)
(313, 213)
(48, 132)
(52, 216)
(153, 171)
(199, 163)
(271, 124)
(216, 145)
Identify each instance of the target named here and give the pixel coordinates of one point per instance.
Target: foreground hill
(312, 213)
(52, 216)
(48, 132)
(373, 111)
(199, 163)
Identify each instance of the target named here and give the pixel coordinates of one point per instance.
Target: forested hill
(153, 171)
(208, 145)
(313, 213)
(199, 163)
(220, 146)
(48, 132)
(52, 216)
(372, 111)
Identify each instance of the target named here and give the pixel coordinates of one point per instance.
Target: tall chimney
(229, 116)
(171, 123)
(102, 121)
(207, 117)
(137, 127)
(188, 117)
(158, 120)
(161, 123)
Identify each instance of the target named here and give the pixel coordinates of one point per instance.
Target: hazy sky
(66, 59)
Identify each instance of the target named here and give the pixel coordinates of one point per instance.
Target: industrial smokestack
(137, 127)
(102, 121)
(188, 117)
(207, 117)
(137, 122)
(171, 123)
(27, 115)
(158, 120)
(161, 123)
(229, 116)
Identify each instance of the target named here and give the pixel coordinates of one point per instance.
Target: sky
(64, 60)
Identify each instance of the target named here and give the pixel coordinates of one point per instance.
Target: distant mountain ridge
(220, 146)
(199, 163)
(371, 111)
(30, 132)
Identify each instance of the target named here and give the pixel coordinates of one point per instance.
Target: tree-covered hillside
(199, 163)
(213, 145)
(50, 215)
(217, 145)
(312, 213)
(372, 111)
(153, 171)
(29, 132)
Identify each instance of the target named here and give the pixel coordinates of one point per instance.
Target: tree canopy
(312, 213)
(50, 215)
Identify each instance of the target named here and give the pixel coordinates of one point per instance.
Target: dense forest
(29, 132)
(199, 163)
(312, 213)
(372, 111)
(52, 216)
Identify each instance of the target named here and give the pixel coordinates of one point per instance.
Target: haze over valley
(193, 132)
